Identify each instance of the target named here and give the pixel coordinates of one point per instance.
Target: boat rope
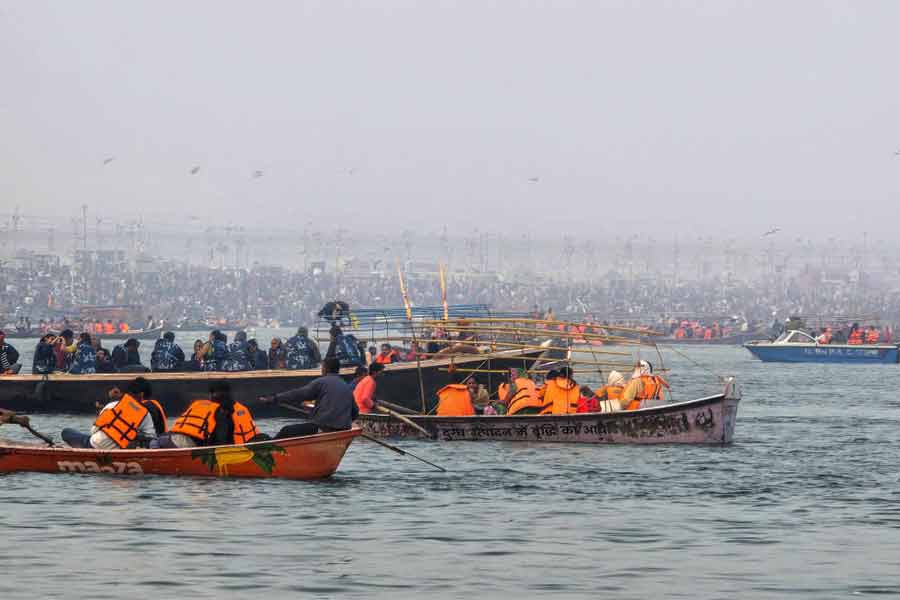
(706, 368)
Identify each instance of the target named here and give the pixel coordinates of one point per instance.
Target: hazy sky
(720, 118)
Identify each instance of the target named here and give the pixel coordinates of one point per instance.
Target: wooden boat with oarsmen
(310, 457)
(709, 420)
(64, 393)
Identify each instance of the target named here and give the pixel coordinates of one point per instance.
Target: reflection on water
(804, 504)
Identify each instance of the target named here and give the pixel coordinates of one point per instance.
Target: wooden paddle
(405, 420)
(371, 439)
(8, 416)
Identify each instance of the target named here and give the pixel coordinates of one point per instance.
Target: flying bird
(195, 170)
(897, 153)
(108, 160)
(772, 231)
(257, 174)
(534, 179)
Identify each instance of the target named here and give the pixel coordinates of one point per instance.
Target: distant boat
(799, 346)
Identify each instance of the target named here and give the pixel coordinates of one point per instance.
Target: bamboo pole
(548, 333)
(550, 322)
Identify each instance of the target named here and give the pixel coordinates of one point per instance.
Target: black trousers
(302, 429)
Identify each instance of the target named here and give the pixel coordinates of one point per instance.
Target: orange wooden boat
(310, 457)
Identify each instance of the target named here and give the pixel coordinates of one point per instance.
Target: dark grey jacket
(335, 407)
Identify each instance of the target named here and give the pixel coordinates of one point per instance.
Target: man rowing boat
(334, 407)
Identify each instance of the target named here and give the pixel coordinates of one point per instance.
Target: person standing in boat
(130, 421)
(334, 406)
(349, 351)
(219, 421)
(9, 357)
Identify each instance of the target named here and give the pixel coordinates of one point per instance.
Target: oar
(370, 438)
(403, 452)
(8, 416)
(405, 420)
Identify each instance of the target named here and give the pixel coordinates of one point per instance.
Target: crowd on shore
(187, 297)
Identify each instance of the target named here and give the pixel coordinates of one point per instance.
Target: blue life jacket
(299, 354)
(237, 359)
(166, 356)
(218, 358)
(346, 350)
(84, 361)
(44, 360)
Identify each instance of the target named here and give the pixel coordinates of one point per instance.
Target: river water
(805, 504)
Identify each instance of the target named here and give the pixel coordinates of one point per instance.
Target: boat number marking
(89, 466)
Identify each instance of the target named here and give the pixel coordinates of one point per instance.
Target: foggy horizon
(717, 120)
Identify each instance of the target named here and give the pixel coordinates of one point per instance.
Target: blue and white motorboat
(798, 346)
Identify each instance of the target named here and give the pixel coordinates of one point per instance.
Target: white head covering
(615, 378)
(642, 368)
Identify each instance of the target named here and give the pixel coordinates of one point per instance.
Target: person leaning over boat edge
(335, 407)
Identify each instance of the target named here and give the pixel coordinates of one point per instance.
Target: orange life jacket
(109, 328)
(855, 337)
(199, 421)
(161, 412)
(123, 327)
(872, 336)
(121, 422)
(244, 427)
(560, 397)
(454, 401)
(526, 396)
(611, 392)
(651, 389)
(387, 359)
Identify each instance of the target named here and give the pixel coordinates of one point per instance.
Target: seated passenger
(127, 422)
(364, 391)
(561, 394)
(218, 421)
(825, 337)
(872, 335)
(167, 356)
(478, 395)
(520, 395)
(85, 361)
(104, 364)
(125, 357)
(611, 394)
(644, 385)
(588, 401)
(9, 357)
(454, 401)
(259, 360)
(387, 356)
